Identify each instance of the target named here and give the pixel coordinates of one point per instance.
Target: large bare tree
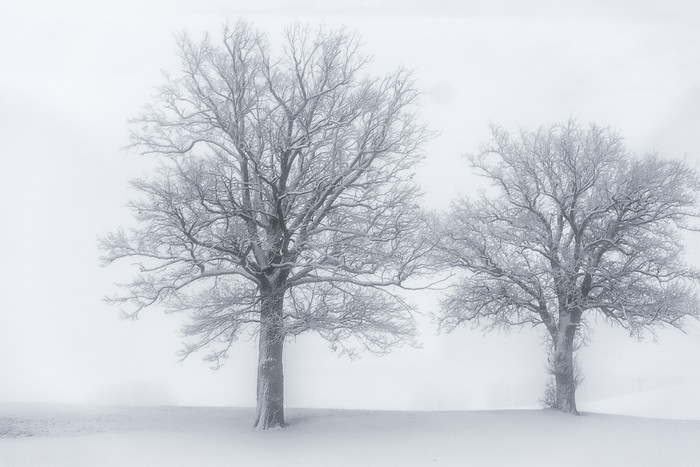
(571, 225)
(284, 202)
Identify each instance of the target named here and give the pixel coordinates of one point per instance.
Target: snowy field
(33, 435)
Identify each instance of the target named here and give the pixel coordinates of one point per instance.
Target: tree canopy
(574, 225)
(285, 201)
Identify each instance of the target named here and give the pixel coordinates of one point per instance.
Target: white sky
(71, 73)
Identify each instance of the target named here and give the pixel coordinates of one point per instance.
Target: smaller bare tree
(575, 225)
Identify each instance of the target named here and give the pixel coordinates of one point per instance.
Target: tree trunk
(270, 404)
(563, 366)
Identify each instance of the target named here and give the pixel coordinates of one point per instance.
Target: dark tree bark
(564, 370)
(270, 394)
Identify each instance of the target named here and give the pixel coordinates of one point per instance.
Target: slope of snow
(680, 402)
(187, 436)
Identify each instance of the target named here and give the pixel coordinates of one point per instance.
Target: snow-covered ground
(679, 402)
(33, 435)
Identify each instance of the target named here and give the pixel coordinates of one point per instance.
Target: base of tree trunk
(564, 368)
(567, 409)
(565, 394)
(270, 405)
(270, 408)
(268, 419)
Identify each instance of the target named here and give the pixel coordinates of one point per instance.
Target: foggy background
(71, 73)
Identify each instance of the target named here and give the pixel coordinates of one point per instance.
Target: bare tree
(284, 202)
(573, 225)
